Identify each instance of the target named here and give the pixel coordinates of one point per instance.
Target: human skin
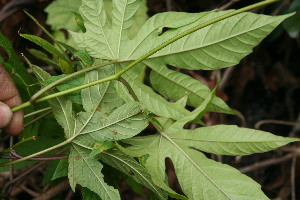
(12, 123)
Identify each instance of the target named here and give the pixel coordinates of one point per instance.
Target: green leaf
(65, 67)
(74, 96)
(228, 139)
(122, 19)
(61, 169)
(102, 94)
(130, 167)
(50, 171)
(109, 43)
(89, 195)
(200, 178)
(44, 44)
(154, 102)
(79, 21)
(94, 17)
(235, 37)
(16, 68)
(61, 107)
(84, 57)
(43, 57)
(174, 85)
(292, 25)
(60, 14)
(197, 114)
(87, 173)
(100, 147)
(124, 122)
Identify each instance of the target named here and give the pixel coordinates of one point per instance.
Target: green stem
(150, 53)
(17, 144)
(38, 153)
(51, 85)
(51, 37)
(37, 112)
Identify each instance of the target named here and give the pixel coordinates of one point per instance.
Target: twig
(62, 186)
(40, 158)
(28, 171)
(279, 8)
(11, 169)
(70, 195)
(267, 163)
(270, 121)
(293, 175)
(38, 118)
(169, 5)
(29, 191)
(37, 112)
(227, 5)
(21, 176)
(225, 78)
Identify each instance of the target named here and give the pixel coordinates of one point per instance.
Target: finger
(5, 115)
(10, 96)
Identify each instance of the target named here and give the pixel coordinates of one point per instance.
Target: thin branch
(271, 121)
(38, 153)
(21, 176)
(293, 176)
(11, 168)
(17, 144)
(55, 83)
(267, 163)
(41, 158)
(54, 191)
(227, 5)
(169, 5)
(38, 118)
(37, 112)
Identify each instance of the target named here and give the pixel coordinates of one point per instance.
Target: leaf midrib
(217, 141)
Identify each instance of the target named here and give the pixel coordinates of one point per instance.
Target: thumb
(5, 115)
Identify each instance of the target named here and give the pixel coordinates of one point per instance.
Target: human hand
(9, 98)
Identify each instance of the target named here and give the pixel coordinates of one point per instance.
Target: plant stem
(51, 37)
(17, 144)
(150, 53)
(38, 153)
(51, 85)
(37, 112)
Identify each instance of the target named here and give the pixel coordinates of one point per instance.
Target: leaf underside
(110, 111)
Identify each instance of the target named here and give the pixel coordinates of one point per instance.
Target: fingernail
(5, 115)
